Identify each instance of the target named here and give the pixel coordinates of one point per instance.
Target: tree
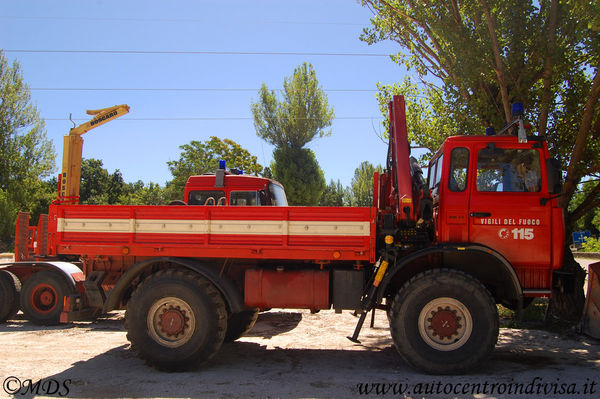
(334, 195)
(361, 187)
(486, 54)
(98, 187)
(203, 157)
(290, 124)
(302, 115)
(428, 116)
(297, 169)
(26, 155)
(591, 220)
(139, 193)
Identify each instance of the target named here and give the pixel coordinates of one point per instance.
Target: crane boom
(70, 178)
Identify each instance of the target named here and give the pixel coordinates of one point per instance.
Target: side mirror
(554, 175)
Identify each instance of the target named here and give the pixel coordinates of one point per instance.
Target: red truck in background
(437, 254)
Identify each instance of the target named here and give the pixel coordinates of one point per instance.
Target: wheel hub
(173, 321)
(444, 323)
(44, 298)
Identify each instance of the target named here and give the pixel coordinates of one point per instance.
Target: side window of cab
(435, 176)
(459, 169)
(244, 198)
(210, 197)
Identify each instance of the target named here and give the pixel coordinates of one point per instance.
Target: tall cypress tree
(289, 124)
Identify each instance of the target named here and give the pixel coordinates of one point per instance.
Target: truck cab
(233, 188)
(498, 192)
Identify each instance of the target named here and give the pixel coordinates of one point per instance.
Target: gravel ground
(291, 354)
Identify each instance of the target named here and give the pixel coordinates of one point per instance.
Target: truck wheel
(240, 323)
(42, 297)
(176, 320)
(444, 322)
(10, 288)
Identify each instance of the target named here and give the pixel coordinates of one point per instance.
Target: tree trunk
(568, 299)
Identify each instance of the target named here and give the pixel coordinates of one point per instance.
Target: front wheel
(444, 322)
(176, 320)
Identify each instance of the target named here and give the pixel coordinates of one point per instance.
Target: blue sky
(140, 148)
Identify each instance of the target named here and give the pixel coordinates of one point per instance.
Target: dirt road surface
(289, 354)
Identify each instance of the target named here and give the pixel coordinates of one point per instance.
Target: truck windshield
(278, 197)
(511, 170)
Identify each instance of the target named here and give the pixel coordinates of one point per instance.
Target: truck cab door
(506, 211)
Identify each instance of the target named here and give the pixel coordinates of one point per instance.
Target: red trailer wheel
(10, 287)
(43, 298)
(43, 295)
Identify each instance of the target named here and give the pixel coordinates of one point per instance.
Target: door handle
(480, 214)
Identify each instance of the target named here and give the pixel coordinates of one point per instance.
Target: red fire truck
(437, 254)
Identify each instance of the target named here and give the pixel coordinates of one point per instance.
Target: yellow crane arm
(101, 116)
(70, 179)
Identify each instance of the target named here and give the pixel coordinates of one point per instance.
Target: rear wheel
(43, 295)
(239, 324)
(176, 320)
(444, 322)
(10, 288)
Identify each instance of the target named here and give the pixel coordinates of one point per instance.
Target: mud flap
(590, 322)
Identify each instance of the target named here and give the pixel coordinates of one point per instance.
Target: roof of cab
(231, 181)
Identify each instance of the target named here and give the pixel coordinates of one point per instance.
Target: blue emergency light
(222, 164)
(517, 109)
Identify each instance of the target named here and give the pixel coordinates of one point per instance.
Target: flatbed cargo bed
(320, 233)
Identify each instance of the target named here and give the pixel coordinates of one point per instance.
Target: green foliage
(139, 193)
(203, 157)
(26, 155)
(482, 56)
(591, 244)
(533, 315)
(299, 172)
(98, 187)
(334, 195)
(583, 203)
(299, 117)
(361, 192)
(430, 120)
(8, 212)
(44, 194)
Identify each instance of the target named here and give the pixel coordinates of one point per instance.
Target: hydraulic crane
(70, 178)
